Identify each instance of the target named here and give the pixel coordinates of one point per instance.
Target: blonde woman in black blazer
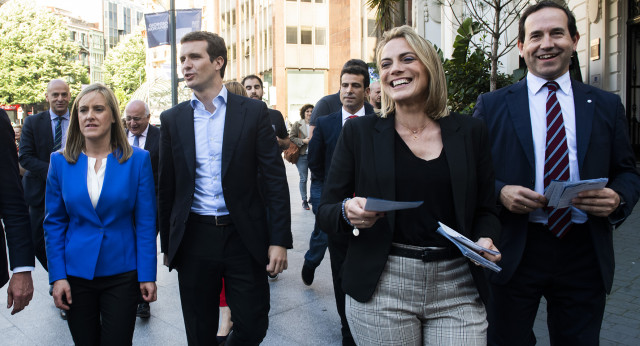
(406, 284)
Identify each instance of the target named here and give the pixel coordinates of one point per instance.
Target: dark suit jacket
(152, 145)
(36, 145)
(323, 143)
(603, 152)
(13, 209)
(364, 162)
(248, 146)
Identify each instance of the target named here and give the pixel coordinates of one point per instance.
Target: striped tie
(556, 164)
(57, 138)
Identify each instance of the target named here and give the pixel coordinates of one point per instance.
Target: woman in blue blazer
(100, 223)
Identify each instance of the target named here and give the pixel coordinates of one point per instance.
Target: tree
(34, 49)
(124, 67)
(495, 17)
(389, 13)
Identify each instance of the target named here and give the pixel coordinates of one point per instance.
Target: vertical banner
(157, 28)
(187, 21)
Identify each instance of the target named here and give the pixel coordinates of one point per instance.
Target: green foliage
(468, 71)
(386, 11)
(124, 67)
(34, 49)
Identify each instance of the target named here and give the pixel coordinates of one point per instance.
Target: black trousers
(206, 255)
(338, 244)
(36, 216)
(103, 311)
(564, 271)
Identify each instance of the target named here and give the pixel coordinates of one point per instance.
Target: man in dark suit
(43, 134)
(255, 90)
(212, 216)
(354, 88)
(331, 103)
(141, 134)
(15, 224)
(551, 127)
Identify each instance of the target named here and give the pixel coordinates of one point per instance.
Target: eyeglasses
(134, 119)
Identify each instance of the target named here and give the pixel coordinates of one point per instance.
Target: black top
(428, 181)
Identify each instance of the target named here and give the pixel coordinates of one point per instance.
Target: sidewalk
(302, 315)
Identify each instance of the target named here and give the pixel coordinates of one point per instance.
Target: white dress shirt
(346, 115)
(95, 179)
(538, 93)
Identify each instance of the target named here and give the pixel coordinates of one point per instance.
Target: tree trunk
(495, 43)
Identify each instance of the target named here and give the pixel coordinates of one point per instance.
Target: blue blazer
(118, 236)
(323, 143)
(604, 151)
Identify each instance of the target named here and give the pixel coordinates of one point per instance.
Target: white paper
(560, 193)
(376, 204)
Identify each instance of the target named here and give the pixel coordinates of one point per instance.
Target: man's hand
(20, 291)
(149, 291)
(521, 200)
(601, 202)
(62, 294)
(277, 259)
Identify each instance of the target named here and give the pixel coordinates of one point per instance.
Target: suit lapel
(383, 153)
(519, 113)
(454, 148)
(584, 107)
(187, 136)
(233, 125)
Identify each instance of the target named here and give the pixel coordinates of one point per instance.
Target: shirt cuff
(23, 269)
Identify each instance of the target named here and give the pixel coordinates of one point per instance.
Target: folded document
(560, 193)
(468, 248)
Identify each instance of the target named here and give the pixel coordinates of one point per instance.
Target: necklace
(415, 134)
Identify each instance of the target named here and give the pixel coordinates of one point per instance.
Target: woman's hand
(148, 290)
(62, 294)
(360, 218)
(488, 243)
(306, 140)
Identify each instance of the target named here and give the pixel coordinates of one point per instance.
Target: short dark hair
(357, 70)
(215, 45)
(356, 62)
(571, 19)
(252, 76)
(304, 110)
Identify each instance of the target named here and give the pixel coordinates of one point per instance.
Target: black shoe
(63, 314)
(273, 277)
(51, 290)
(305, 205)
(143, 310)
(308, 274)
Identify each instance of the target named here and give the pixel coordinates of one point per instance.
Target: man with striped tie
(543, 128)
(43, 134)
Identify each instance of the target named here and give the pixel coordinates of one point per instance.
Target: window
(319, 1)
(233, 52)
(292, 35)
(305, 0)
(305, 36)
(321, 36)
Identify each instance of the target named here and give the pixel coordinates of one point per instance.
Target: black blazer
(36, 145)
(248, 146)
(323, 143)
(363, 162)
(13, 209)
(603, 149)
(152, 145)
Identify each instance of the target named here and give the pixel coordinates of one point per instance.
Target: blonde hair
(236, 88)
(436, 105)
(75, 139)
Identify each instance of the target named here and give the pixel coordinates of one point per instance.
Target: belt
(221, 220)
(427, 255)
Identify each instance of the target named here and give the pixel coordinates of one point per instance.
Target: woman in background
(299, 135)
(100, 223)
(405, 283)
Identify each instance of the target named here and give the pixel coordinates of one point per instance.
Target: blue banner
(157, 28)
(187, 21)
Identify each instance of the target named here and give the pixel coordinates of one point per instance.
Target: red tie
(556, 165)
(351, 117)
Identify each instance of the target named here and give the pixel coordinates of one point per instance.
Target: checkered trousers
(418, 303)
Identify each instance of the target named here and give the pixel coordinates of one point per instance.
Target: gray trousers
(418, 303)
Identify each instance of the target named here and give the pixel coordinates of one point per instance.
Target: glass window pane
(321, 36)
(305, 36)
(292, 34)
